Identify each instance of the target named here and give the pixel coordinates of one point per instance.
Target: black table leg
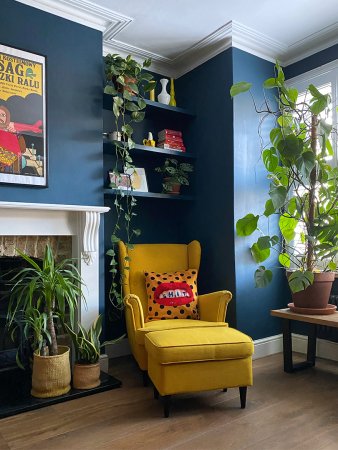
(289, 367)
(287, 346)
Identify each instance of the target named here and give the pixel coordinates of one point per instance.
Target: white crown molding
(232, 34)
(84, 12)
(311, 44)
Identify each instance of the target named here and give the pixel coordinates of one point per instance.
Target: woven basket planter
(86, 376)
(51, 374)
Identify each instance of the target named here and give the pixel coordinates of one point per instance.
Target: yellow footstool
(201, 359)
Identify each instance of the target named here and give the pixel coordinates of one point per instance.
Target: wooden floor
(284, 411)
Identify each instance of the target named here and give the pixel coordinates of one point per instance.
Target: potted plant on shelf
(127, 81)
(42, 296)
(174, 175)
(303, 193)
(87, 345)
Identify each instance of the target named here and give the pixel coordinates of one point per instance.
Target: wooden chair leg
(156, 394)
(166, 405)
(145, 378)
(242, 395)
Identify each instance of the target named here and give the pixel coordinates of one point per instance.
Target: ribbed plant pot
(86, 376)
(317, 295)
(51, 374)
(175, 187)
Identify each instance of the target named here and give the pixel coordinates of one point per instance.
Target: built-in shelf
(152, 107)
(113, 192)
(142, 149)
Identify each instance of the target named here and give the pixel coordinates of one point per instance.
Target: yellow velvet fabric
(180, 361)
(204, 344)
(162, 258)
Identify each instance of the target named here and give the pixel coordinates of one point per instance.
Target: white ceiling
(180, 34)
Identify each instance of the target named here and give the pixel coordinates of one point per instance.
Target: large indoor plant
(128, 82)
(303, 191)
(175, 174)
(42, 296)
(87, 346)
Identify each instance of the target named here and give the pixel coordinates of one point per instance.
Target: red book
(174, 132)
(171, 141)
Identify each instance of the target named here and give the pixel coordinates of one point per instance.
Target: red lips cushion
(172, 295)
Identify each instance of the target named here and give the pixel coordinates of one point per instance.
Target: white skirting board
(263, 347)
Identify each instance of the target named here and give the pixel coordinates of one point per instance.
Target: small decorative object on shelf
(172, 101)
(152, 95)
(171, 139)
(164, 97)
(174, 175)
(133, 179)
(150, 141)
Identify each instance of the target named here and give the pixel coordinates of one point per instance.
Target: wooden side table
(288, 316)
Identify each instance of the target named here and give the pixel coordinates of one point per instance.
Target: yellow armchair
(162, 258)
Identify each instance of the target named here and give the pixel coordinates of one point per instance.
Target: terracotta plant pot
(122, 88)
(175, 187)
(86, 376)
(51, 374)
(318, 294)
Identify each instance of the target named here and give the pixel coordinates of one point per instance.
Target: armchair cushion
(172, 295)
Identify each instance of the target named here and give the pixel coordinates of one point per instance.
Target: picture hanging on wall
(23, 141)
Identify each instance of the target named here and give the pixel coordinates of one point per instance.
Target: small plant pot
(121, 87)
(175, 187)
(317, 295)
(86, 376)
(51, 374)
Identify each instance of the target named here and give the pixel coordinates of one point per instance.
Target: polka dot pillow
(172, 295)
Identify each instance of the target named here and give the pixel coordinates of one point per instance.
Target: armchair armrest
(213, 307)
(134, 308)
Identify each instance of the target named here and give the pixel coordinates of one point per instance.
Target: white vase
(164, 97)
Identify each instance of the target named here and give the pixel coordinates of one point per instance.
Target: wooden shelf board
(147, 149)
(111, 192)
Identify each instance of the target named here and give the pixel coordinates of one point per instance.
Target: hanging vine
(127, 82)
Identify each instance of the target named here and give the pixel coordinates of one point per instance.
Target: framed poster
(23, 142)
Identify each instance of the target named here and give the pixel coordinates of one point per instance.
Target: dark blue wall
(251, 188)
(210, 217)
(74, 105)
(312, 62)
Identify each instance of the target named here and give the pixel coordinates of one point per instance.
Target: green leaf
(109, 89)
(292, 94)
(287, 225)
(278, 196)
(306, 162)
(239, 88)
(247, 225)
(263, 242)
(269, 208)
(270, 83)
(137, 116)
(274, 240)
(130, 106)
(262, 277)
(332, 266)
(275, 136)
(292, 206)
(284, 259)
(290, 148)
(258, 254)
(141, 103)
(299, 281)
(270, 159)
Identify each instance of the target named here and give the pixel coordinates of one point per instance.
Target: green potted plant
(42, 296)
(128, 82)
(174, 175)
(303, 193)
(87, 346)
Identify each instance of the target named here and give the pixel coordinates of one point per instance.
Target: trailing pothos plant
(127, 82)
(303, 184)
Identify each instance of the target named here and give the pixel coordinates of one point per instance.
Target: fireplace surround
(79, 222)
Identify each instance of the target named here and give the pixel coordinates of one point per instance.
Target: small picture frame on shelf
(133, 178)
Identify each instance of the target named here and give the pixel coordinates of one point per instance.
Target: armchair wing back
(155, 258)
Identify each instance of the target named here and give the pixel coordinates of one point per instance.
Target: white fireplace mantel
(80, 222)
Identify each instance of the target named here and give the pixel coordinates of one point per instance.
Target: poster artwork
(23, 153)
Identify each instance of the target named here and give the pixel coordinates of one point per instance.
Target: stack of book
(171, 139)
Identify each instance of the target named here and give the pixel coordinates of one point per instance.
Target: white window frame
(327, 73)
